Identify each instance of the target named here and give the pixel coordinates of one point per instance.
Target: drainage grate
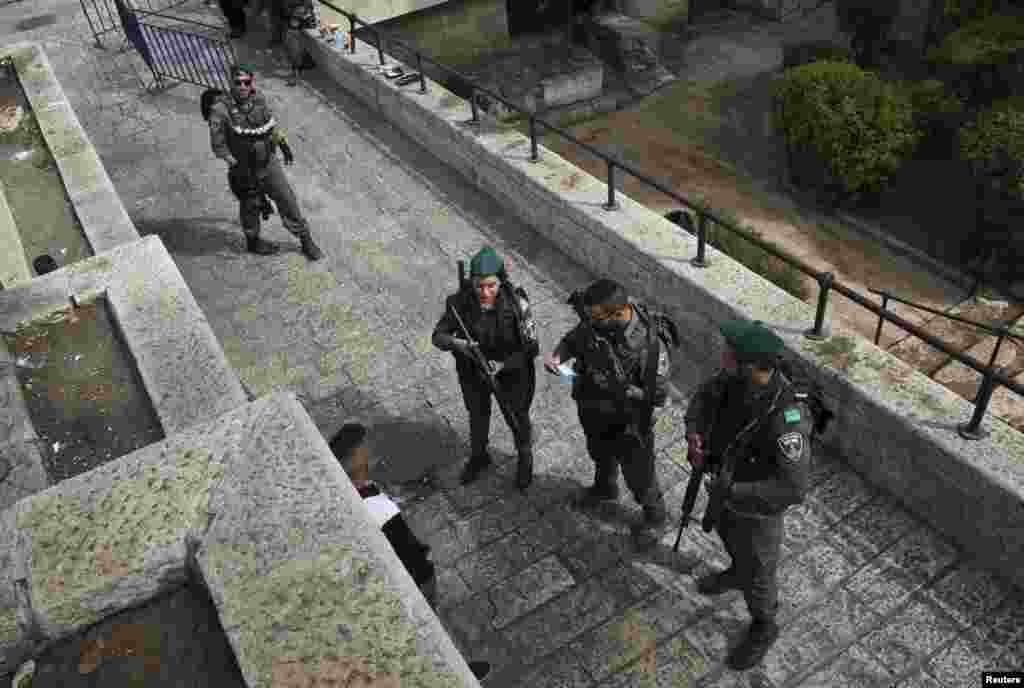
(35, 22)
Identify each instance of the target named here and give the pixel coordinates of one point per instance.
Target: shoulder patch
(792, 445)
(792, 414)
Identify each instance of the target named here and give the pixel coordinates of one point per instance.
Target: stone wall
(99, 209)
(973, 491)
(255, 505)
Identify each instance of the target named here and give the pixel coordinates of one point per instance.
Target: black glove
(719, 490)
(286, 151)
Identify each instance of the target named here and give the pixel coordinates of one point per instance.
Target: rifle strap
(651, 372)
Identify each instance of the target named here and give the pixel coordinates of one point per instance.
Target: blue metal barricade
(174, 53)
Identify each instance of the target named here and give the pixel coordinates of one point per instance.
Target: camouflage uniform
(611, 422)
(247, 131)
(506, 334)
(772, 466)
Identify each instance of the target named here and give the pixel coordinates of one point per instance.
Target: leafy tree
(858, 128)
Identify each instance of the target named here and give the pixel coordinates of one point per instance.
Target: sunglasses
(243, 82)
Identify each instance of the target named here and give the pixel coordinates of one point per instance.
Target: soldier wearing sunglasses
(244, 133)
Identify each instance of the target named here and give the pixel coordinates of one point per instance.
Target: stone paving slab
(551, 596)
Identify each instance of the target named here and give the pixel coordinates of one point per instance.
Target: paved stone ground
(552, 597)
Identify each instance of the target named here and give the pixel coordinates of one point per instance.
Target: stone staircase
(629, 46)
(976, 343)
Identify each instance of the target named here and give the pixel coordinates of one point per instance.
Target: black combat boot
(480, 669)
(604, 489)
(311, 250)
(258, 246)
(476, 465)
(761, 635)
(718, 583)
(524, 469)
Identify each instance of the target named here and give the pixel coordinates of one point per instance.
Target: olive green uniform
(615, 426)
(773, 459)
(247, 132)
(506, 334)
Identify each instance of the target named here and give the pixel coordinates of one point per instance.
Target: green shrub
(937, 111)
(805, 52)
(993, 145)
(990, 40)
(857, 127)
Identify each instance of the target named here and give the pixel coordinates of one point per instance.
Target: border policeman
(244, 134)
(749, 413)
(501, 324)
(614, 396)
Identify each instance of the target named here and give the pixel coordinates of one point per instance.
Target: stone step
(929, 360)
(1008, 405)
(965, 381)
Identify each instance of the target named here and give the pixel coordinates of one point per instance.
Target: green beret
(751, 340)
(242, 68)
(485, 263)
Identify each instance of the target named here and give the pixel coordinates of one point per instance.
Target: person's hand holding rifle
(698, 469)
(469, 347)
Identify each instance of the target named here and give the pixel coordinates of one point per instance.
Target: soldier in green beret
(245, 135)
(750, 414)
(501, 326)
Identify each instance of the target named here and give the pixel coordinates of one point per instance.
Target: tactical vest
(250, 133)
(756, 457)
(499, 332)
(596, 369)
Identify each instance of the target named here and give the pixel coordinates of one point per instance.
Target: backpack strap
(529, 343)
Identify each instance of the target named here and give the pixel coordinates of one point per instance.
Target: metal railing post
(419, 68)
(533, 141)
(380, 47)
(1002, 331)
(972, 430)
(817, 333)
(701, 261)
(881, 318)
(611, 204)
(472, 105)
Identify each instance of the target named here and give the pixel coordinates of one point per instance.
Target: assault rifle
(487, 371)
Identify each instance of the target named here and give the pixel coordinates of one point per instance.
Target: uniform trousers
(614, 440)
(234, 12)
(517, 387)
(755, 543)
(249, 185)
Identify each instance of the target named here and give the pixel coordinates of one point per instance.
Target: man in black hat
(616, 388)
(497, 315)
(244, 133)
(750, 415)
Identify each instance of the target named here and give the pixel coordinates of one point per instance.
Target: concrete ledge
(185, 372)
(972, 491)
(305, 583)
(103, 218)
(14, 267)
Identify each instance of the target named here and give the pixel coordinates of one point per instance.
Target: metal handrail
(1001, 329)
(826, 280)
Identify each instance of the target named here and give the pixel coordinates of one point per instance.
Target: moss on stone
(96, 263)
(76, 547)
(375, 256)
(331, 620)
(838, 351)
(276, 372)
(8, 624)
(305, 285)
